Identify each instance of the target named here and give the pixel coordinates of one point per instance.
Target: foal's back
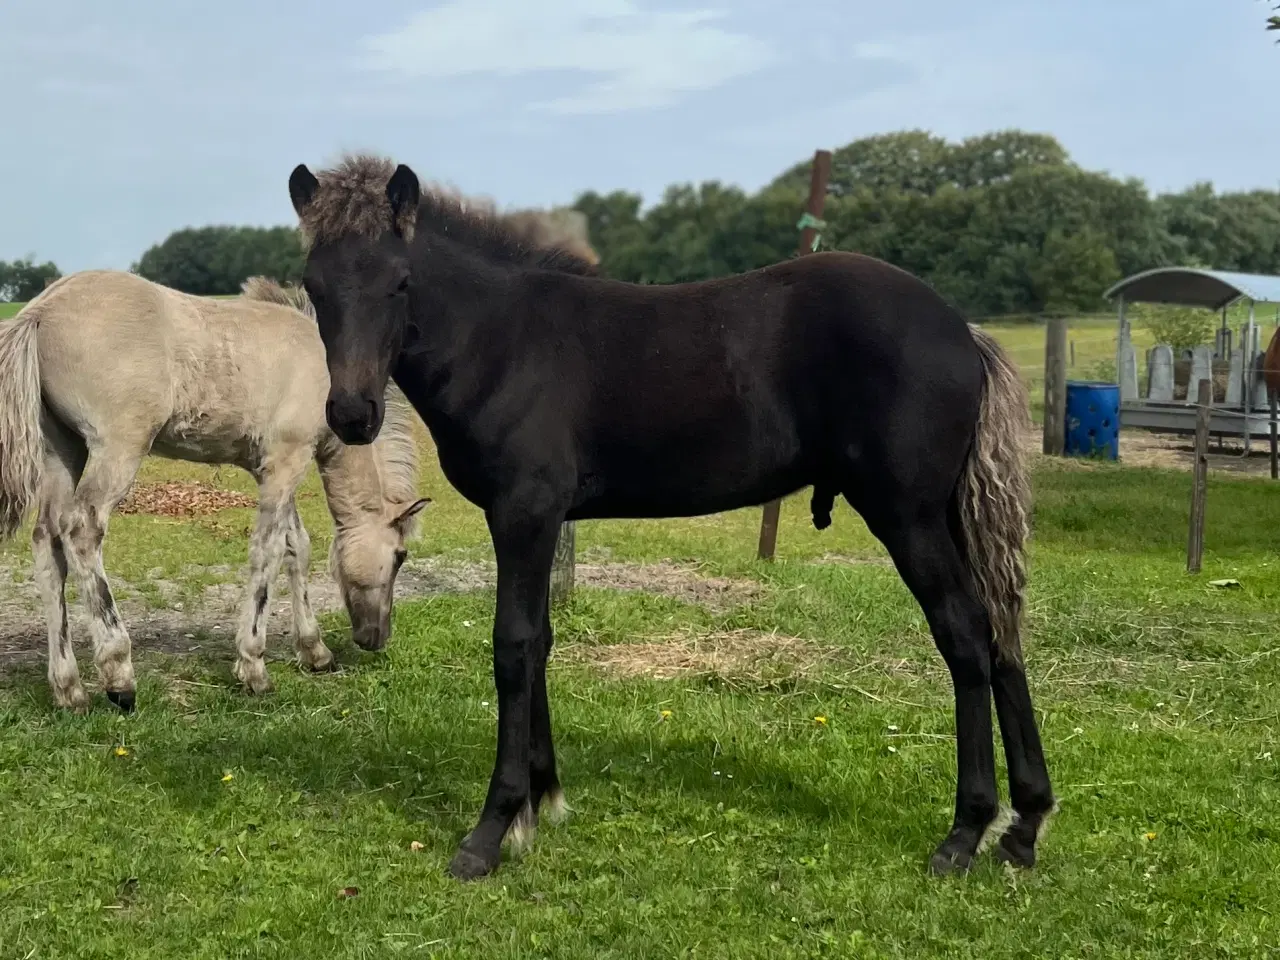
(127, 360)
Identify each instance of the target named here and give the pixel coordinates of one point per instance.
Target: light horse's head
(372, 494)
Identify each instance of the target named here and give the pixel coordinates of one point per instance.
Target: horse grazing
(105, 367)
(553, 394)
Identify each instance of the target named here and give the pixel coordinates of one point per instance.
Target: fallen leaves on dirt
(181, 498)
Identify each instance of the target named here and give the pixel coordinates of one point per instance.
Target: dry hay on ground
(683, 582)
(741, 654)
(181, 498)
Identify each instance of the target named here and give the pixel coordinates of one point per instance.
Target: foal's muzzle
(354, 417)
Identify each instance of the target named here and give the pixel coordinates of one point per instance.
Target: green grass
(736, 827)
(8, 310)
(739, 826)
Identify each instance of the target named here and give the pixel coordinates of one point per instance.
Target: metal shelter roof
(1193, 287)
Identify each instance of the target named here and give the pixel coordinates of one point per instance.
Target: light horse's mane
(396, 448)
(351, 199)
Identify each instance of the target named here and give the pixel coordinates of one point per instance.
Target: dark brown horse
(553, 394)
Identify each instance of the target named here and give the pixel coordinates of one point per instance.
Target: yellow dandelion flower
(121, 752)
(820, 720)
(1149, 836)
(228, 777)
(665, 714)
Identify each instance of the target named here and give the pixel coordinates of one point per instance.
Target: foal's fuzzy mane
(395, 446)
(351, 199)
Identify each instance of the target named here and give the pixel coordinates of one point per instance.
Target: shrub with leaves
(1179, 327)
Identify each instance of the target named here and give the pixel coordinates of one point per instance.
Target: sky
(126, 120)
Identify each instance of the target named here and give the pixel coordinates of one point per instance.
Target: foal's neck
(352, 480)
(457, 303)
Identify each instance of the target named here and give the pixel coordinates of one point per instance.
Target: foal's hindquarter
(129, 368)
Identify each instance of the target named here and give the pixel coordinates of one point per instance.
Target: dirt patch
(181, 498)
(206, 621)
(738, 654)
(683, 582)
(1142, 448)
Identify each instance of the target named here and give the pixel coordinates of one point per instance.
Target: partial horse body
(553, 394)
(105, 367)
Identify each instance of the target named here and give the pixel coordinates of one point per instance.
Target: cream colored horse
(105, 367)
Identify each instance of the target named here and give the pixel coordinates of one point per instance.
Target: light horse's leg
(108, 472)
(277, 480)
(312, 653)
(63, 462)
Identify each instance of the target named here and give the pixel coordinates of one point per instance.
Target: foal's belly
(204, 442)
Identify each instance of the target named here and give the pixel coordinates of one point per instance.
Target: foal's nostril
(371, 420)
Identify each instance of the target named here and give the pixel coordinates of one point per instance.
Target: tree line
(1000, 224)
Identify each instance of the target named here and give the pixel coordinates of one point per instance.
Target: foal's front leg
(266, 552)
(524, 545)
(312, 653)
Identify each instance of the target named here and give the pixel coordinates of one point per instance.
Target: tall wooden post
(1200, 481)
(810, 224)
(564, 563)
(1055, 387)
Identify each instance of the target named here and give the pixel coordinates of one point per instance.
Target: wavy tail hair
(994, 498)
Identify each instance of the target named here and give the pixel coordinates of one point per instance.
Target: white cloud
(636, 59)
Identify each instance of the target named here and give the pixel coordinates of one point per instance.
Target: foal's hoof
(1017, 848)
(126, 700)
(944, 863)
(254, 679)
(72, 698)
(471, 866)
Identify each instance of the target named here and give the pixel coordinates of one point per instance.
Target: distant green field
(8, 310)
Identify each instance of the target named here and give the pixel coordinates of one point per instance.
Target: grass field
(715, 814)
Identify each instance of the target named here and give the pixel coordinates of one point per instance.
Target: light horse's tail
(21, 440)
(994, 498)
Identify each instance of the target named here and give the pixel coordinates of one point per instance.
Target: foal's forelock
(351, 200)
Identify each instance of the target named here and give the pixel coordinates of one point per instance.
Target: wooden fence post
(810, 225)
(562, 566)
(1200, 481)
(1055, 387)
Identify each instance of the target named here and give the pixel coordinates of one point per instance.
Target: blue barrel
(1093, 419)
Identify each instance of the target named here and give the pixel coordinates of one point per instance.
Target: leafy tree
(22, 280)
(218, 259)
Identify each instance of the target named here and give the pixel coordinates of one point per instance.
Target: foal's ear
(403, 192)
(302, 187)
(404, 523)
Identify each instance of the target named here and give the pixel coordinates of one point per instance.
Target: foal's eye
(400, 557)
(401, 287)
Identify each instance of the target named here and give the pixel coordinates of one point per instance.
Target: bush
(1179, 327)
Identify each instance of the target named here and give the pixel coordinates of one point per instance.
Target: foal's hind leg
(109, 470)
(931, 566)
(1029, 788)
(312, 653)
(58, 485)
(277, 481)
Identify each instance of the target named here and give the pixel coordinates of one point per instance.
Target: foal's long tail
(994, 497)
(21, 442)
